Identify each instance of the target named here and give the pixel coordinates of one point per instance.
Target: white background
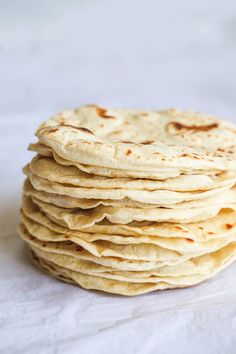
(60, 54)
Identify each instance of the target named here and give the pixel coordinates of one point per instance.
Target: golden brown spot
(203, 128)
(184, 155)
(128, 152)
(156, 153)
(127, 142)
(178, 228)
(102, 112)
(53, 130)
(147, 142)
(229, 226)
(189, 240)
(87, 142)
(78, 128)
(70, 143)
(85, 130)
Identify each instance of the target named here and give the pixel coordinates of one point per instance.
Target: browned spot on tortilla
(44, 245)
(147, 142)
(70, 143)
(128, 152)
(184, 155)
(102, 112)
(156, 153)
(179, 228)
(202, 128)
(79, 249)
(87, 142)
(101, 125)
(127, 142)
(53, 130)
(78, 128)
(211, 233)
(229, 226)
(189, 240)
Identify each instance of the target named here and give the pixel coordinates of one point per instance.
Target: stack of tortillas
(130, 201)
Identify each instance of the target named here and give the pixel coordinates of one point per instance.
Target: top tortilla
(141, 140)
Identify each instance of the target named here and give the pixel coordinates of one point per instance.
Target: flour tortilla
(100, 248)
(162, 197)
(144, 252)
(163, 174)
(133, 268)
(225, 199)
(137, 140)
(95, 283)
(223, 225)
(49, 169)
(76, 218)
(223, 258)
(95, 244)
(205, 266)
(70, 249)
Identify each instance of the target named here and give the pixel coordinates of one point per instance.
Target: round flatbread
(142, 141)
